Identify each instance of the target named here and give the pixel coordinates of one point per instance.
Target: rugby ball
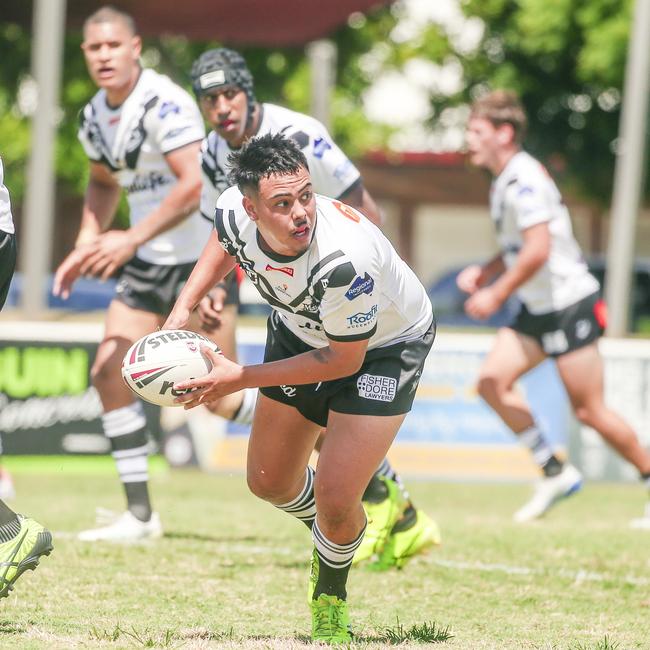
(157, 361)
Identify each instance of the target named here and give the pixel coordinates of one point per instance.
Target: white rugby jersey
(132, 140)
(350, 284)
(332, 172)
(6, 221)
(522, 196)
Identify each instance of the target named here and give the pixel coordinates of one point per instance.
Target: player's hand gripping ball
(157, 361)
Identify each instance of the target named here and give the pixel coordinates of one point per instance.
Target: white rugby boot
(126, 528)
(548, 491)
(642, 523)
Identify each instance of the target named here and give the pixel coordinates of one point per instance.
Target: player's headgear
(222, 67)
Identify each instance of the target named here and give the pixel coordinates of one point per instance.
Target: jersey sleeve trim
(353, 186)
(181, 146)
(353, 337)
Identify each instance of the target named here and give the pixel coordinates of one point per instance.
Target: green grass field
(231, 571)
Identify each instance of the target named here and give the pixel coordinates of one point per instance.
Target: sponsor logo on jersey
(147, 182)
(283, 269)
(168, 107)
(320, 147)
(282, 288)
(377, 387)
(310, 305)
(114, 120)
(360, 285)
(362, 318)
(289, 391)
(342, 170)
(555, 342)
(583, 329)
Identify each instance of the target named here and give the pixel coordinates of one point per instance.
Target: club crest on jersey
(283, 269)
(360, 285)
(320, 147)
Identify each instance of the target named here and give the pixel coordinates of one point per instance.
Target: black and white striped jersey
(332, 172)
(349, 284)
(6, 220)
(132, 140)
(522, 196)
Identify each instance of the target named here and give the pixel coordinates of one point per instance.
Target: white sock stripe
(129, 465)
(124, 412)
(131, 453)
(303, 507)
(384, 468)
(135, 478)
(135, 424)
(247, 407)
(339, 547)
(328, 551)
(306, 490)
(535, 440)
(335, 555)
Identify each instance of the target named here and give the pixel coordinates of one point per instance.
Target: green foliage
(566, 58)
(281, 76)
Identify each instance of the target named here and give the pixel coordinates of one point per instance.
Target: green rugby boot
(381, 519)
(330, 620)
(403, 545)
(313, 576)
(22, 552)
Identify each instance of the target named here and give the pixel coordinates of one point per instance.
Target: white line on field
(578, 576)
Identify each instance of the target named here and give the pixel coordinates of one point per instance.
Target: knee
(490, 388)
(104, 372)
(266, 487)
(585, 414)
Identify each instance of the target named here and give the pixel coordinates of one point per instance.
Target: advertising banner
(47, 406)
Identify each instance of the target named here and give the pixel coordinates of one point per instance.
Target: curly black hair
(263, 157)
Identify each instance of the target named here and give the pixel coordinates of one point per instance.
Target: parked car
(448, 301)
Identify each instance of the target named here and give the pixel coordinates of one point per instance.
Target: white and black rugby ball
(157, 361)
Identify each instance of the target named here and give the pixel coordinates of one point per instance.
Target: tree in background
(565, 57)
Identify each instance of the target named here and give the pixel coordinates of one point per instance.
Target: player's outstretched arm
(213, 265)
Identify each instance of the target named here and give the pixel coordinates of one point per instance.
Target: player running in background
(22, 540)
(561, 316)
(142, 134)
(350, 330)
(225, 90)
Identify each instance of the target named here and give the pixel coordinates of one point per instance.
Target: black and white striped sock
(246, 409)
(386, 469)
(334, 562)
(303, 507)
(645, 478)
(126, 428)
(541, 450)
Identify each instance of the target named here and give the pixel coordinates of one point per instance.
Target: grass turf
(231, 571)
